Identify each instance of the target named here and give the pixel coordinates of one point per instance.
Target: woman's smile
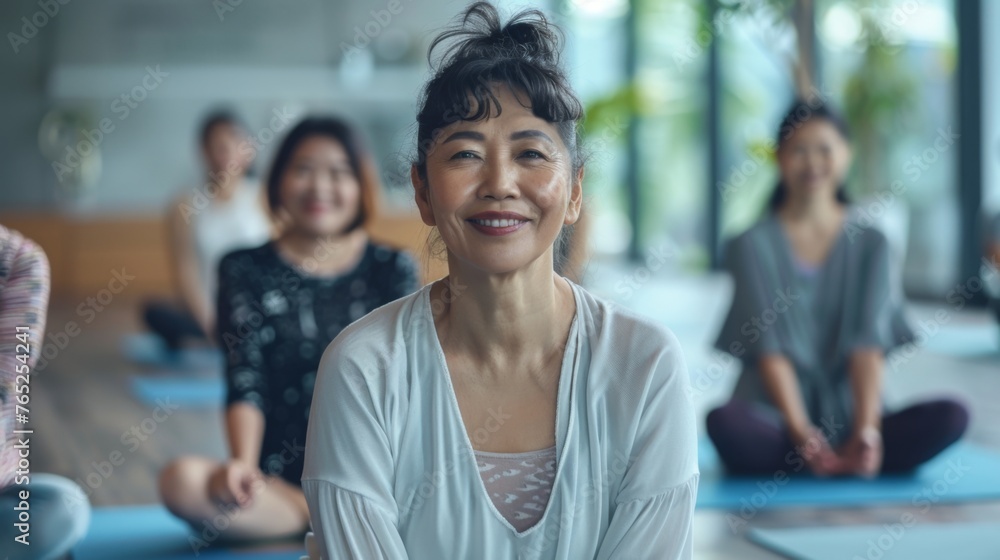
(497, 223)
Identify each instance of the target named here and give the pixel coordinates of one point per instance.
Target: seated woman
(226, 213)
(58, 511)
(813, 316)
(502, 411)
(279, 306)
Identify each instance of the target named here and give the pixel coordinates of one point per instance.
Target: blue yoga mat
(890, 541)
(966, 341)
(185, 391)
(151, 533)
(964, 472)
(147, 349)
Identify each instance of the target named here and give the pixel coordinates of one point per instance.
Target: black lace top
(274, 322)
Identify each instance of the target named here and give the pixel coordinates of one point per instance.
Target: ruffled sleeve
(880, 321)
(654, 507)
(349, 525)
(349, 465)
(748, 263)
(654, 527)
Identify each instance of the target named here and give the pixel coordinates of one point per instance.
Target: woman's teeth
(498, 223)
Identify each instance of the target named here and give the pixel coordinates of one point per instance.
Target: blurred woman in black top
(279, 306)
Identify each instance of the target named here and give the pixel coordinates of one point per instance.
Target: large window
(891, 67)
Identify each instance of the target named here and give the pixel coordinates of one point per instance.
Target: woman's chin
(498, 264)
(319, 227)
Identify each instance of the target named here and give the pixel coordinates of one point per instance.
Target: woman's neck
(319, 255)
(226, 184)
(816, 210)
(503, 319)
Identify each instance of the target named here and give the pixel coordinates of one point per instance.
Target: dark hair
(358, 158)
(522, 54)
(219, 117)
(800, 113)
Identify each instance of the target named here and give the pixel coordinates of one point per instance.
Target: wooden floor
(82, 407)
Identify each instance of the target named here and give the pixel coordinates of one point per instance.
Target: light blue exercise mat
(148, 349)
(963, 472)
(182, 390)
(966, 341)
(150, 532)
(903, 539)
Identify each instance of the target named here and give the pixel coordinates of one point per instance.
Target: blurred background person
(991, 272)
(225, 213)
(279, 306)
(813, 368)
(57, 509)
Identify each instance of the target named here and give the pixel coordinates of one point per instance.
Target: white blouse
(390, 472)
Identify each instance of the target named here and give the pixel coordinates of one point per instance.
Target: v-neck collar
(792, 260)
(564, 398)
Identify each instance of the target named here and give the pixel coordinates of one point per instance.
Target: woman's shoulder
(382, 333)
(245, 254)
(760, 229)
(18, 252)
(247, 257)
(632, 336)
(390, 256)
(861, 229)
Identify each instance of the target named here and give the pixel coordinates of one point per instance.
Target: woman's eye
(464, 154)
(533, 154)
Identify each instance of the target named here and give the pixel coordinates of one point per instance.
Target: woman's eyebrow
(469, 134)
(532, 133)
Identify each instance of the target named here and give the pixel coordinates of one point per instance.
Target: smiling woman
(501, 411)
(278, 307)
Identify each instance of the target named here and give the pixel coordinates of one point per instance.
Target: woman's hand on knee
(235, 483)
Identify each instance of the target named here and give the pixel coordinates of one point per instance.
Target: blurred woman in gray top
(813, 317)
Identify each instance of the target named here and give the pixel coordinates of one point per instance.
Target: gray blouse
(815, 318)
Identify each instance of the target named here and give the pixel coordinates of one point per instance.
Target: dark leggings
(750, 441)
(172, 323)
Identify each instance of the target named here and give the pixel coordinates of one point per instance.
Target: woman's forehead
(814, 129)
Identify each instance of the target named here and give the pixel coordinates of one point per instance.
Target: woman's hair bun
(478, 52)
(480, 34)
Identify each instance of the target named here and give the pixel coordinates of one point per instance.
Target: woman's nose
(499, 181)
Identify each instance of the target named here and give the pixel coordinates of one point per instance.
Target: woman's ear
(575, 198)
(421, 194)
